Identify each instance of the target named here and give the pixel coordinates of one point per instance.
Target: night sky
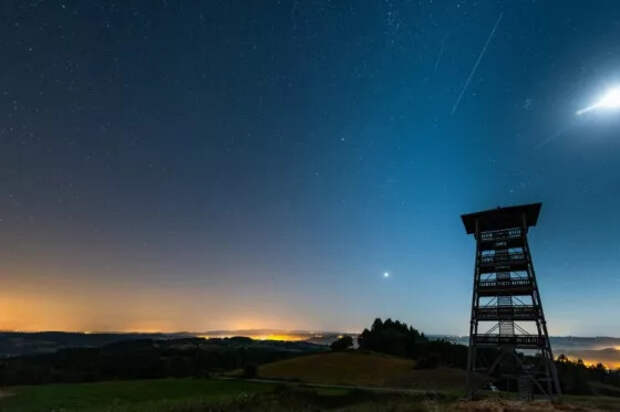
(182, 165)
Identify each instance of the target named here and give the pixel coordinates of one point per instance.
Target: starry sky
(184, 165)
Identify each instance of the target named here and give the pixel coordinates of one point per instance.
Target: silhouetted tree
(575, 377)
(397, 338)
(392, 337)
(341, 344)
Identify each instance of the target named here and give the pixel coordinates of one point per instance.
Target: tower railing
(525, 341)
(504, 283)
(494, 235)
(507, 312)
(502, 258)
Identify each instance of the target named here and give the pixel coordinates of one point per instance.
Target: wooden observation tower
(507, 319)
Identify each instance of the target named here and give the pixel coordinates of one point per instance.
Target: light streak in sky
(441, 50)
(473, 70)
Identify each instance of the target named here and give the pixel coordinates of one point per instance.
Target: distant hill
(147, 358)
(590, 349)
(317, 337)
(30, 343)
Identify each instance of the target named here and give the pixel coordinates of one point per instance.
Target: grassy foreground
(194, 395)
(138, 395)
(213, 395)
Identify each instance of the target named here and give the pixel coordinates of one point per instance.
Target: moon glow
(610, 100)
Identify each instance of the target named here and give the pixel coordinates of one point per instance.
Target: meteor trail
(443, 44)
(473, 70)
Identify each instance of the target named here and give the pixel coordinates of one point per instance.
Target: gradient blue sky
(182, 165)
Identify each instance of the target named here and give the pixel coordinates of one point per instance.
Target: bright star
(610, 100)
(386, 275)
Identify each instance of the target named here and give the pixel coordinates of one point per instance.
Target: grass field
(441, 390)
(138, 395)
(364, 369)
(213, 395)
(194, 395)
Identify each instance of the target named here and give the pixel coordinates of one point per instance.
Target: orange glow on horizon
(593, 362)
(32, 302)
(281, 337)
(271, 336)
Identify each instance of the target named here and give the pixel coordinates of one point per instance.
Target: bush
(341, 344)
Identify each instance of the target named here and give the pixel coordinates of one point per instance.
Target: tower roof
(502, 217)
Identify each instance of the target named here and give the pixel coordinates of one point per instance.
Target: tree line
(398, 339)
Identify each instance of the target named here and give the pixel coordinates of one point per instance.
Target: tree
(392, 337)
(343, 343)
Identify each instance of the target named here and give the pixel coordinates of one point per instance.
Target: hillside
(147, 358)
(364, 369)
(32, 343)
